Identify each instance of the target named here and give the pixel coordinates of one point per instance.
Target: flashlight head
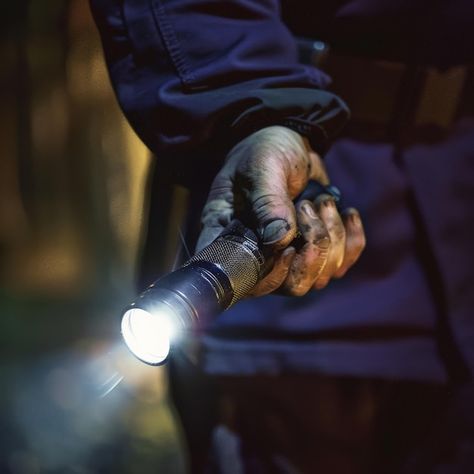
(148, 334)
(166, 310)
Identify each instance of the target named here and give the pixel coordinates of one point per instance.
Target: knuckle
(360, 242)
(264, 287)
(319, 265)
(297, 290)
(341, 272)
(321, 283)
(337, 229)
(296, 283)
(339, 260)
(323, 243)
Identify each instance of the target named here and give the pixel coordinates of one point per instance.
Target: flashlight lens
(147, 334)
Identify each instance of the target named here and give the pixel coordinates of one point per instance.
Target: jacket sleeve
(202, 74)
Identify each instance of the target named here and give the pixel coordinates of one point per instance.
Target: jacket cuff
(316, 114)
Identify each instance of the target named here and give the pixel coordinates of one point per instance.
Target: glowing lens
(148, 334)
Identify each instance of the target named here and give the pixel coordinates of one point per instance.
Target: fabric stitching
(171, 42)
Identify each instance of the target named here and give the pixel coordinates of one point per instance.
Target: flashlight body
(212, 280)
(196, 291)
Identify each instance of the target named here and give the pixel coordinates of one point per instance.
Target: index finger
(217, 212)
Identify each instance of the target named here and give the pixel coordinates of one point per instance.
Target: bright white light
(148, 334)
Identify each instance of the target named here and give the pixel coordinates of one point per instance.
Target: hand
(262, 176)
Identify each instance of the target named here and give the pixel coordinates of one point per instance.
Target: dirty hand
(261, 177)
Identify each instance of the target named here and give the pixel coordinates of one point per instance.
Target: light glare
(148, 334)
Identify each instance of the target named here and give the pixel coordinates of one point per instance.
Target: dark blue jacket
(198, 75)
(194, 77)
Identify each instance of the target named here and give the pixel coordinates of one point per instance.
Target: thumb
(282, 167)
(276, 217)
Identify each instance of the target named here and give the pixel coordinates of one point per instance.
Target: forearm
(193, 75)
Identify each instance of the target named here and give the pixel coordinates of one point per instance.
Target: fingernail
(275, 231)
(308, 209)
(329, 202)
(355, 218)
(325, 200)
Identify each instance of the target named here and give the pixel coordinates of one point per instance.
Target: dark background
(72, 180)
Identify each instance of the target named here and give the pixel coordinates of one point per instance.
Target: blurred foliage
(72, 180)
(73, 173)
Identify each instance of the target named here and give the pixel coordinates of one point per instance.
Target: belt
(389, 100)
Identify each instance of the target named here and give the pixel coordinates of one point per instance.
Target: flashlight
(210, 282)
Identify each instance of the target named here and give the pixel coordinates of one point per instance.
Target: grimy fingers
(329, 214)
(277, 276)
(355, 240)
(311, 259)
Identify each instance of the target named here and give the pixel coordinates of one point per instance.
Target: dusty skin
(261, 177)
